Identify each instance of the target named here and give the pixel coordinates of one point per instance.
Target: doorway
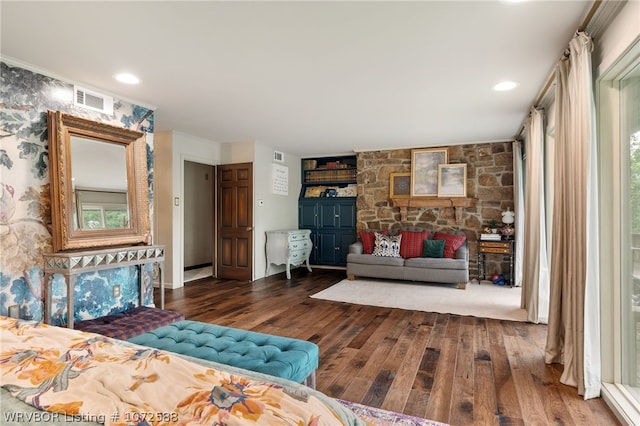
(198, 221)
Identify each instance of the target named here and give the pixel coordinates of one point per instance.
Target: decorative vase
(508, 231)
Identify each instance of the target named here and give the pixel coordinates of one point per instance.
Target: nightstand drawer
(297, 236)
(299, 245)
(495, 247)
(298, 255)
(500, 250)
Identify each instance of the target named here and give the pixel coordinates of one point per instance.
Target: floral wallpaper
(25, 207)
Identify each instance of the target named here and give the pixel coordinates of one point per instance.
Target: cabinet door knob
(337, 215)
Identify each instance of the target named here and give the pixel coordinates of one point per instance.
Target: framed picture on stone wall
(424, 170)
(452, 180)
(400, 185)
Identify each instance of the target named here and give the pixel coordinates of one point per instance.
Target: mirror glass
(99, 181)
(99, 184)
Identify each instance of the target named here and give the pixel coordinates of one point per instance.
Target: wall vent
(92, 100)
(278, 156)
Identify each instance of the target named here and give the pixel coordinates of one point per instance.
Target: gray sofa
(425, 269)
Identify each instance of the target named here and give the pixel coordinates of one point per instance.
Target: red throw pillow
(412, 243)
(451, 243)
(368, 239)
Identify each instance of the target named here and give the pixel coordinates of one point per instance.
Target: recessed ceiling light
(127, 78)
(505, 85)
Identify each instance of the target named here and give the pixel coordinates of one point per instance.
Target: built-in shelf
(458, 204)
(327, 207)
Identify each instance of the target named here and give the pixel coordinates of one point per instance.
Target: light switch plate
(14, 311)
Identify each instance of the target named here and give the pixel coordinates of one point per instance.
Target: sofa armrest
(462, 252)
(356, 248)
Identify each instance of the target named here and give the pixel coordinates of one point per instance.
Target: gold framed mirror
(99, 191)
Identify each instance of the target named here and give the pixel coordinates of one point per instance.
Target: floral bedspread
(88, 375)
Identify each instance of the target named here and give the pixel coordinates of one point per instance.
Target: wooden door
(235, 221)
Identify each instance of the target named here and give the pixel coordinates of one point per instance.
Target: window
(102, 209)
(619, 151)
(630, 229)
(104, 216)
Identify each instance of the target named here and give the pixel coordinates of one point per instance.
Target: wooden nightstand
(504, 247)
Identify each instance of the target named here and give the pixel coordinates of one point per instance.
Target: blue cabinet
(327, 207)
(332, 224)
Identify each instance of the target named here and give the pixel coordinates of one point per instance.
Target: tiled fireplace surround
(489, 182)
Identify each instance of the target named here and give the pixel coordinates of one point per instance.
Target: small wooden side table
(504, 247)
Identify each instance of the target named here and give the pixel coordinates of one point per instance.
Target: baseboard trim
(202, 265)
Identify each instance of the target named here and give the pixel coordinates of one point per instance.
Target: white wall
(238, 152)
(163, 199)
(275, 211)
(617, 38)
(174, 148)
(278, 211)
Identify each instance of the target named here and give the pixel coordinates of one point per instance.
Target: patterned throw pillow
(451, 243)
(412, 243)
(386, 246)
(368, 239)
(433, 248)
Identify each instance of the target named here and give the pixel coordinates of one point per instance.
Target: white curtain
(535, 290)
(518, 195)
(573, 337)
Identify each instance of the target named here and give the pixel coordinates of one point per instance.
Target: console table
(72, 264)
(504, 247)
(289, 247)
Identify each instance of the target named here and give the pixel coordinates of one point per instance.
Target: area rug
(380, 417)
(484, 300)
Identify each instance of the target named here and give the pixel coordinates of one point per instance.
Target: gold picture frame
(424, 170)
(452, 180)
(400, 185)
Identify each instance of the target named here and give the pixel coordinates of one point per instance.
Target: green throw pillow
(433, 248)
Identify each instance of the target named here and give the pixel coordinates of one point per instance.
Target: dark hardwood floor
(454, 369)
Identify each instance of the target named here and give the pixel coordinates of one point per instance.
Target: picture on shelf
(314, 191)
(424, 170)
(452, 180)
(400, 185)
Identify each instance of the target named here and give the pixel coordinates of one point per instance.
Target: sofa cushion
(368, 259)
(412, 243)
(387, 246)
(368, 238)
(451, 242)
(433, 248)
(436, 263)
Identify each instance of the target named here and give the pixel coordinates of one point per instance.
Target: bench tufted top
(278, 356)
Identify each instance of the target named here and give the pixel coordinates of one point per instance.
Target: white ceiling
(308, 78)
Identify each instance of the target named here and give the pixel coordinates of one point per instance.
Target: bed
(50, 372)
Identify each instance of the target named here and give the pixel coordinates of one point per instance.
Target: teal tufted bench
(292, 359)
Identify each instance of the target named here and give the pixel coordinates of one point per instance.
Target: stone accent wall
(489, 182)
